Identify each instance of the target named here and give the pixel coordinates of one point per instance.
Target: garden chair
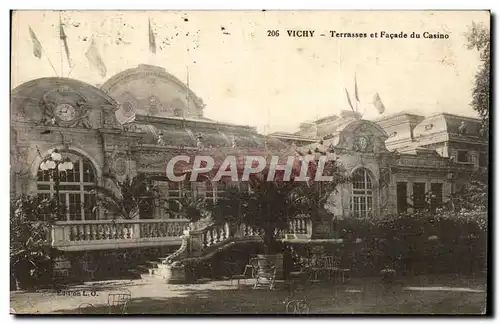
(331, 266)
(117, 303)
(341, 274)
(250, 269)
(315, 267)
(265, 277)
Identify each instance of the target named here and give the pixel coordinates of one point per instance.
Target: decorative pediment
(362, 136)
(60, 102)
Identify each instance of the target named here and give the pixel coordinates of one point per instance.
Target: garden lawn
(361, 296)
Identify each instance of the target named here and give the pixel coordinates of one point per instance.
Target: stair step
(135, 273)
(148, 277)
(143, 268)
(152, 263)
(147, 271)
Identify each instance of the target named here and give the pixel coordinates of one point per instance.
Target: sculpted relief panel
(363, 137)
(65, 107)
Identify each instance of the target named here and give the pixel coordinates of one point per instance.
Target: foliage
(471, 197)
(29, 232)
(478, 38)
(416, 242)
(270, 205)
(191, 207)
(129, 197)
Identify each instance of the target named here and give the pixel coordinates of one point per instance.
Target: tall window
(483, 159)
(401, 197)
(463, 156)
(74, 188)
(362, 194)
(170, 192)
(437, 195)
(419, 195)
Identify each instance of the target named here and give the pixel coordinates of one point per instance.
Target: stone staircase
(204, 242)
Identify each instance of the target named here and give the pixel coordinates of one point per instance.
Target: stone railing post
(59, 233)
(136, 231)
(308, 226)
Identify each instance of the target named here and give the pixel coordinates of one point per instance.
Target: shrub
(30, 219)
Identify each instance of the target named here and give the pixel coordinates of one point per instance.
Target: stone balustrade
(124, 233)
(121, 233)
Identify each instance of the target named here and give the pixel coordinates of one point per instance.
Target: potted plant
(191, 208)
(30, 251)
(271, 205)
(131, 198)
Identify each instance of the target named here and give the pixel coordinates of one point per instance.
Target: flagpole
(187, 91)
(356, 95)
(187, 83)
(268, 120)
(60, 26)
(48, 58)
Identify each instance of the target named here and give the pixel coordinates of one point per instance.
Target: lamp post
(55, 163)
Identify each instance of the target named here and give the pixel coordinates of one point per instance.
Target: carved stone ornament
(361, 144)
(65, 107)
(154, 106)
(120, 164)
(462, 129)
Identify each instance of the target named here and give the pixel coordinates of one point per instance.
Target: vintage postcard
(249, 162)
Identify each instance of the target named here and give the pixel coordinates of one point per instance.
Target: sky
(274, 83)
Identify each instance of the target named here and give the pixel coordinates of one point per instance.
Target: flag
(349, 99)
(64, 38)
(37, 46)
(377, 102)
(125, 114)
(152, 41)
(356, 88)
(95, 59)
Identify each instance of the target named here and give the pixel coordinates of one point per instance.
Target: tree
(474, 195)
(130, 197)
(478, 38)
(270, 205)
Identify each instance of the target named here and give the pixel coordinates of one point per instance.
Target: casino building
(396, 161)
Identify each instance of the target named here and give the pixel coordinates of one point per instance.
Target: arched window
(362, 194)
(74, 188)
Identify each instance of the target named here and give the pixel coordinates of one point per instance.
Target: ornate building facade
(398, 163)
(142, 117)
(84, 124)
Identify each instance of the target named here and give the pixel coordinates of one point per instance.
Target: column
(392, 196)
(427, 186)
(409, 194)
(447, 191)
